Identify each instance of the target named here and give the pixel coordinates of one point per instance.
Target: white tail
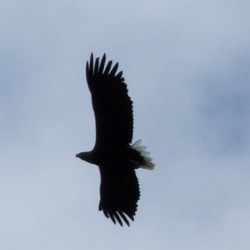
(145, 154)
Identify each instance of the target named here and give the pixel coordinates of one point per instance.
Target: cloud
(187, 69)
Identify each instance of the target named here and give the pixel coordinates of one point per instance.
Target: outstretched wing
(111, 103)
(119, 192)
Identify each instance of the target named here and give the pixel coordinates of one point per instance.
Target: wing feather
(113, 71)
(119, 192)
(108, 67)
(111, 103)
(102, 64)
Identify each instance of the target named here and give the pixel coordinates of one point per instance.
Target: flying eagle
(113, 152)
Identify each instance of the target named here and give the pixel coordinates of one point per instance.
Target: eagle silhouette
(113, 152)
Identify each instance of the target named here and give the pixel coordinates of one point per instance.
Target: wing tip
(117, 215)
(93, 67)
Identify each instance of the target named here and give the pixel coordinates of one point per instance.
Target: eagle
(113, 152)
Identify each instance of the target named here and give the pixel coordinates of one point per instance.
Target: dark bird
(113, 152)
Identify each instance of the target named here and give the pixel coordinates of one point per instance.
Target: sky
(186, 64)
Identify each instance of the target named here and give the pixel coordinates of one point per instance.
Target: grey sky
(186, 64)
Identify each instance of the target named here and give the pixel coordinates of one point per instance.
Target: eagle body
(113, 156)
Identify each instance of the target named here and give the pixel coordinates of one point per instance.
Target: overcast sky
(186, 64)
